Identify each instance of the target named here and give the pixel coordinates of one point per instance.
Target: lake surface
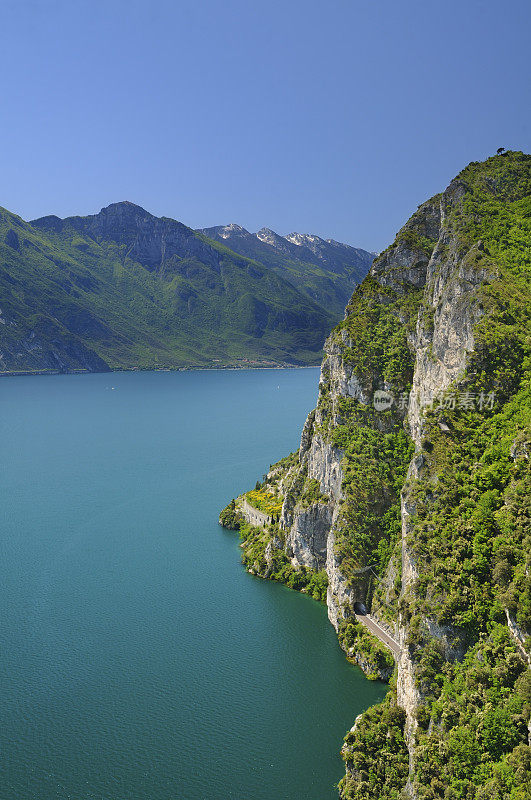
(139, 661)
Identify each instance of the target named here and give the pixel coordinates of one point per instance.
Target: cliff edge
(409, 497)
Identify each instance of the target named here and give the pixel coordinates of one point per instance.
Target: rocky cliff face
(155, 242)
(416, 387)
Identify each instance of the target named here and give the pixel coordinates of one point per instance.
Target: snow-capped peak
(229, 230)
(303, 239)
(268, 236)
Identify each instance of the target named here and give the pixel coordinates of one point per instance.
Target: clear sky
(335, 117)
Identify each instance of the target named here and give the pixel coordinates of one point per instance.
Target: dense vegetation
(470, 533)
(267, 502)
(472, 740)
(275, 565)
(435, 537)
(263, 551)
(376, 449)
(374, 469)
(231, 517)
(376, 754)
(124, 289)
(361, 645)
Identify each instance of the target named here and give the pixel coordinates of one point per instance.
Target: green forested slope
(125, 289)
(435, 493)
(469, 533)
(327, 274)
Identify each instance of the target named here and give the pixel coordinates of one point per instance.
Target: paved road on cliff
(379, 632)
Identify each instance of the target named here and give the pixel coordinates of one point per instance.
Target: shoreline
(247, 368)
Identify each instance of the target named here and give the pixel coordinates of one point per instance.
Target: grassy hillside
(128, 290)
(327, 277)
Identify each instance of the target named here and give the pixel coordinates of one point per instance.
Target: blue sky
(336, 118)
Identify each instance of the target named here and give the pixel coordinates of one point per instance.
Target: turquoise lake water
(139, 661)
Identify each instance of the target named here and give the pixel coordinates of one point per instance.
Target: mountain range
(322, 269)
(124, 289)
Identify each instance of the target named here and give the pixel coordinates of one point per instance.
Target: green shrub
(230, 517)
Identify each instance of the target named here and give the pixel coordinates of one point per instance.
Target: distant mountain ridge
(322, 268)
(124, 289)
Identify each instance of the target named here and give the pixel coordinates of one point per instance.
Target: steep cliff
(411, 490)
